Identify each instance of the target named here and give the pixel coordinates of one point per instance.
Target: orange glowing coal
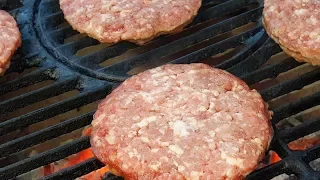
(75, 159)
(304, 143)
(274, 157)
(297, 145)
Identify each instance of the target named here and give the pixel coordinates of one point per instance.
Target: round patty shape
(182, 122)
(295, 26)
(137, 21)
(10, 39)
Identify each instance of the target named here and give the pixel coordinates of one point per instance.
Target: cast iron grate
(293, 162)
(246, 63)
(213, 19)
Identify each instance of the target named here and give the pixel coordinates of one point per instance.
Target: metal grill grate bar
(289, 166)
(71, 48)
(217, 47)
(290, 85)
(38, 95)
(249, 49)
(308, 127)
(62, 33)
(300, 168)
(180, 44)
(312, 154)
(27, 80)
(255, 60)
(290, 109)
(280, 147)
(53, 110)
(25, 62)
(44, 158)
(53, 20)
(106, 53)
(269, 171)
(270, 71)
(45, 134)
(76, 170)
(221, 9)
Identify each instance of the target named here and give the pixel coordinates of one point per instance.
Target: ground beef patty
(10, 39)
(137, 21)
(295, 25)
(182, 122)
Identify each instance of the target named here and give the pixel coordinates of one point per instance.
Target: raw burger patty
(137, 21)
(10, 39)
(295, 26)
(182, 122)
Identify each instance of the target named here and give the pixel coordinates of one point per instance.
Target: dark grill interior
(55, 62)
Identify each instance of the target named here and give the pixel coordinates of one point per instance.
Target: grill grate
(44, 44)
(52, 38)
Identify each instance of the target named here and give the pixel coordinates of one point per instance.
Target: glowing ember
(304, 143)
(274, 157)
(297, 145)
(75, 159)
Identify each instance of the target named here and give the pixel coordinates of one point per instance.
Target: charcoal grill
(49, 53)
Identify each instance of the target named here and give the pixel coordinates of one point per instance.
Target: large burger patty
(137, 21)
(182, 122)
(295, 26)
(10, 39)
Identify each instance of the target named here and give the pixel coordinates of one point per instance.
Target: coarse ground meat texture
(137, 21)
(295, 26)
(10, 39)
(182, 122)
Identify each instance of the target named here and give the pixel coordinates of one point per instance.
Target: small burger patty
(10, 39)
(182, 122)
(137, 21)
(295, 26)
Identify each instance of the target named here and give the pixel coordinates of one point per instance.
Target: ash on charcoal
(315, 164)
(285, 177)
